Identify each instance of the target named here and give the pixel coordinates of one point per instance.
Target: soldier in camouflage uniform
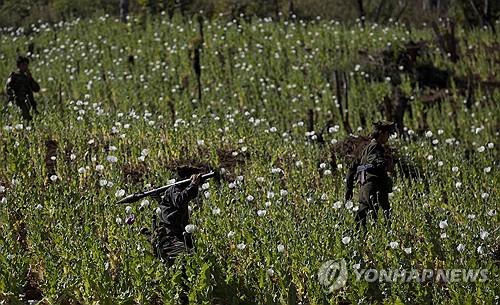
(20, 87)
(370, 169)
(169, 238)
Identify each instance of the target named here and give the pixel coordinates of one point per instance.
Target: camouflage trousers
(167, 251)
(169, 248)
(25, 109)
(372, 196)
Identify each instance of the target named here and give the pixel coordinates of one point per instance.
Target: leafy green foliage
(121, 102)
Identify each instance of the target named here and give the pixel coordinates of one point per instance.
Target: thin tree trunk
(379, 10)
(361, 11)
(124, 5)
(153, 6)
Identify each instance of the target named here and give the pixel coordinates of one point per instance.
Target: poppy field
(267, 104)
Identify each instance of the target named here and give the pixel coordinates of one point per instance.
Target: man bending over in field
(370, 169)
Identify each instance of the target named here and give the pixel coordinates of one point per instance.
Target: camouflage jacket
(174, 213)
(376, 156)
(20, 88)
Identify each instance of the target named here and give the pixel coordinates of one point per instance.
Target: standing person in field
(169, 237)
(371, 170)
(20, 87)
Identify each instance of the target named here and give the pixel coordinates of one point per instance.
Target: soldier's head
(22, 63)
(382, 130)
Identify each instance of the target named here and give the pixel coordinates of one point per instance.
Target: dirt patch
(349, 149)
(16, 218)
(186, 167)
(134, 173)
(51, 153)
(31, 288)
(231, 159)
(434, 96)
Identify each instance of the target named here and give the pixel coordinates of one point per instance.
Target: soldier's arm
(9, 89)
(181, 198)
(35, 87)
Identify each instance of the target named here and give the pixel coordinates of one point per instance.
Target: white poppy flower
(484, 234)
(120, 193)
(280, 248)
(190, 228)
(346, 240)
(261, 213)
(443, 224)
(144, 204)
